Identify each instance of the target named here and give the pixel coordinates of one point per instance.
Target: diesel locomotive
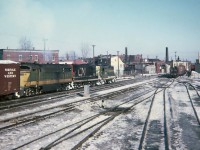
(177, 71)
(28, 79)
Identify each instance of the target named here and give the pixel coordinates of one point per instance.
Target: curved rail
(144, 131)
(195, 112)
(63, 138)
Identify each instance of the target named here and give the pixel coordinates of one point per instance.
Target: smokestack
(167, 55)
(126, 55)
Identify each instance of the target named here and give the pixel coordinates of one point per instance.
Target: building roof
(25, 50)
(153, 60)
(77, 61)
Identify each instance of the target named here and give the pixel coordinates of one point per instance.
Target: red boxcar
(9, 78)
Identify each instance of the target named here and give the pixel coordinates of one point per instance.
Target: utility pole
(44, 40)
(93, 52)
(74, 57)
(175, 56)
(118, 62)
(45, 43)
(107, 58)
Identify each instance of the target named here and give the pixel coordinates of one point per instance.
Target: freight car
(9, 79)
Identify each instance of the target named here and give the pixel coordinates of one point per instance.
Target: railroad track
(51, 97)
(89, 128)
(191, 101)
(116, 111)
(34, 116)
(149, 136)
(183, 117)
(125, 106)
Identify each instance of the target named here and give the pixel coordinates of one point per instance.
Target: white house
(118, 65)
(151, 69)
(178, 63)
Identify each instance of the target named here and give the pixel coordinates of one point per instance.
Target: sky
(145, 27)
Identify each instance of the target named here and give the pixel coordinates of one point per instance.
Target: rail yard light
(118, 62)
(93, 52)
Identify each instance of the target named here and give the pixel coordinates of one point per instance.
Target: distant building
(131, 65)
(103, 60)
(187, 64)
(31, 55)
(109, 60)
(197, 64)
(118, 65)
(134, 58)
(140, 68)
(150, 69)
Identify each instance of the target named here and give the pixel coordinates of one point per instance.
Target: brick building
(38, 56)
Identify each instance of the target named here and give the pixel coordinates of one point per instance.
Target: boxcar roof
(8, 62)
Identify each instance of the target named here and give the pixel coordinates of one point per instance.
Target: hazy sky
(144, 26)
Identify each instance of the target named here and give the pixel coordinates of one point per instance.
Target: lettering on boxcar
(10, 73)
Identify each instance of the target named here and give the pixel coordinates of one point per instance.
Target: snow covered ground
(125, 131)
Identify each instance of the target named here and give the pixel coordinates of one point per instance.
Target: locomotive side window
(80, 71)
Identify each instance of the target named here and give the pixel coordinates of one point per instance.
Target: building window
(8, 57)
(30, 57)
(20, 57)
(53, 58)
(36, 57)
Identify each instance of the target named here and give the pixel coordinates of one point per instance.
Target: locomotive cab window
(24, 68)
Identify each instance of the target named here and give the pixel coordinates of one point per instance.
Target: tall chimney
(126, 55)
(167, 55)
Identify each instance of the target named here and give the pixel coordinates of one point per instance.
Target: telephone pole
(45, 43)
(175, 56)
(118, 62)
(107, 59)
(93, 52)
(44, 50)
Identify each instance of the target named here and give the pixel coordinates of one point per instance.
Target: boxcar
(9, 79)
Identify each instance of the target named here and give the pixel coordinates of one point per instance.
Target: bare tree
(25, 43)
(85, 50)
(67, 56)
(72, 55)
